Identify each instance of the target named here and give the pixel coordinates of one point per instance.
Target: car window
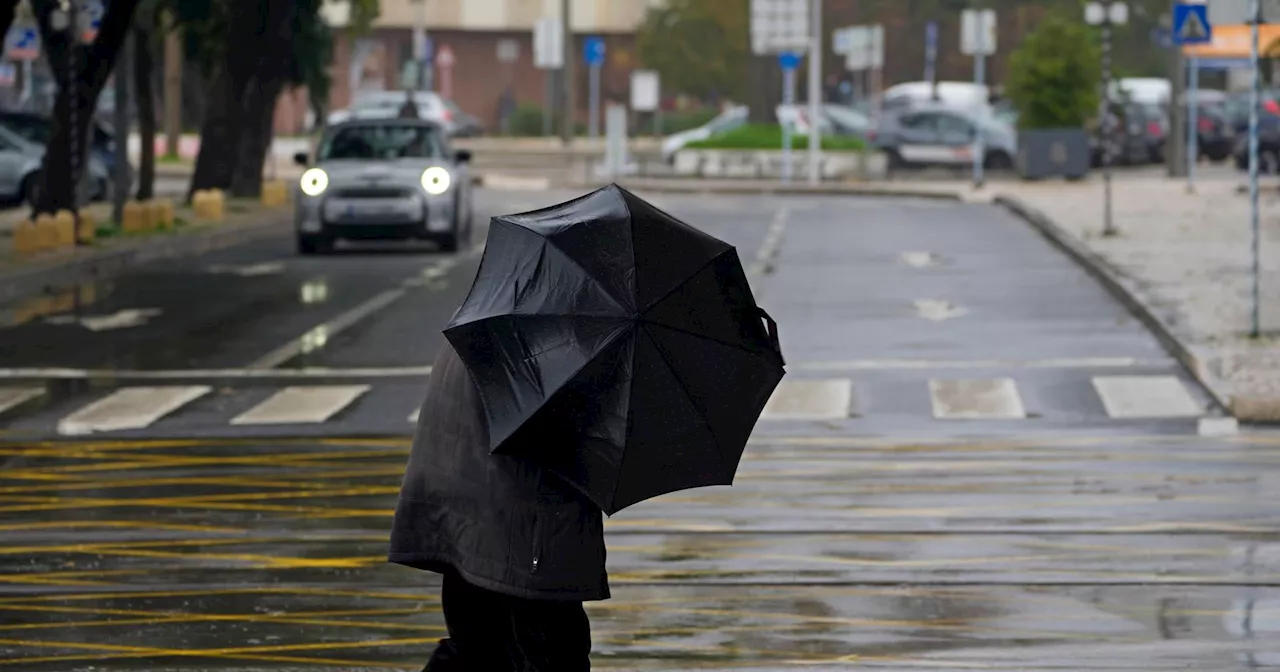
(371, 142)
(917, 122)
(952, 125)
(29, 129)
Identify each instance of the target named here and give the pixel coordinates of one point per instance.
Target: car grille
(373, 192)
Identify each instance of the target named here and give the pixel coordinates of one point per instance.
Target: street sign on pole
(815, 93)
(866, 48)
(646, 93)
(779, 26)
(1255, 95)
(548, 43)
(593, 52)
(978, 32)
(89, 19)
(22, 44)
(1191, 24)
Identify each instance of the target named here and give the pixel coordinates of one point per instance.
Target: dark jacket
(409, 110)
(502, 523)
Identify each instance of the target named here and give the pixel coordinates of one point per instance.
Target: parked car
(384, 179)
(942, 135)
(1155, 119)
(725, 121)
(1132, 133)
(37, 128)
(1268, 147)
(841, 120)
(953, 94)
(386, 105)
(465, 125)
(20, 161)
(1215, 138)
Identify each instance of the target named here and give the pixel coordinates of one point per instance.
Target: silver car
(940, 135)
(20, 161)
(384, 179)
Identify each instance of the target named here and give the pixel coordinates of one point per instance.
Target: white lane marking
(771, 244)
(1146, 397)
(12, 397)
(130, 408)
(249, 271)
(937, 311)
(413, 417)
(976, 399)
(810, 400)
(182, 374)
(1227, 426)
(317, 337)
(925, 364)
(123, 319)
(298, 405)
(920, 259)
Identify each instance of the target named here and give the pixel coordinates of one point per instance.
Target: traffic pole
(815, 92)
(1193, 119)
(979, 149)
(593, 102)
(1108, 226)
(788, 101)
(1255, 13)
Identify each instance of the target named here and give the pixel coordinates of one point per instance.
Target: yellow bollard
(274, 193)
(164, 213)
(25, 239)
(217, 204)
(200, 203)
(133, 221)
(86, 228)
(149, 221)
(46, 232)
(65, 224)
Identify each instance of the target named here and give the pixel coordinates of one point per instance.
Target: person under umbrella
(607, 353)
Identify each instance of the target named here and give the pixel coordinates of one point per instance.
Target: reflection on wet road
(1085, 554)
(978, 461)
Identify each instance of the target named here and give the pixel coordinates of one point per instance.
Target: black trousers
(490, 632)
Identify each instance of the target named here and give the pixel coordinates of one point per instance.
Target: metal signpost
(422, 46)
(815, 93)
(1191, 26)
(789, 62)
(548, 56)
(1106, 14)
(978, 39)
(1255, 19)
(782, 28)
(931, 56)
(593, 53)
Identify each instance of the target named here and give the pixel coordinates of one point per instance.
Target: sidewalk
(1186, 257)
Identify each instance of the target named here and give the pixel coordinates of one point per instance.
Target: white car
(727, 120)
(381, 179)
(386, 105)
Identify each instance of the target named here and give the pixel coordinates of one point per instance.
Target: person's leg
(477, 639)
(550, 636)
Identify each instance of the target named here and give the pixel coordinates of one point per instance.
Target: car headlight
(314, 182)
(436, 180)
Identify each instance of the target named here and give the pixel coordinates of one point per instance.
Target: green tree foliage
(1054, 75)
(698, 47)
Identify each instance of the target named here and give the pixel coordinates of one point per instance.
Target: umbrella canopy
(616, 346)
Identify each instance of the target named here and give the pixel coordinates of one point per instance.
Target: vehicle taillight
(448, 114)
(1153, 129)
(1204, 124)
(1272, 107)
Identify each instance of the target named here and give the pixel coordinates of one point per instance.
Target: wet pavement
(978, 461)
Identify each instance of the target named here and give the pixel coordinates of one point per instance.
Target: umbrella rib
(736, 346)
(688, 395)
(612, 299)
(673, 290)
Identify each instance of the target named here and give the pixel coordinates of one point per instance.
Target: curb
(77, 267)
(1124, 292)
(774, 189)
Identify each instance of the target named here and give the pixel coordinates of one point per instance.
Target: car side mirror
(462, 156)
(301, 158)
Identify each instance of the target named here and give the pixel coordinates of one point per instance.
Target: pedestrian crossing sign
(1191, 24)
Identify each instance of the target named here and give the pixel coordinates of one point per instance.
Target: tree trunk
(215, 162)
(81, 72)
(143, 74)
(255, 142)
(764, 88)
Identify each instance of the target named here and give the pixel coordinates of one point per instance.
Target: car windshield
(847, 117)
(369, 142)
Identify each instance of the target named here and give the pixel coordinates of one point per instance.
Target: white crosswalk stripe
(301, 405)
(810, 400)
(976, 399)
(12, 397)
(1146, 397)
(130, 408)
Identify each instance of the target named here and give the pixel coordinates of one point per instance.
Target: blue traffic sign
(22, 44)
(1191, 24)
(593, 50)
(789, 60)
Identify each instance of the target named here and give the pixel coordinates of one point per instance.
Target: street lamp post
(1255, 20)
(1106, 14)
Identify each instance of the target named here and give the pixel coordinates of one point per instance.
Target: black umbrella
(616, 346)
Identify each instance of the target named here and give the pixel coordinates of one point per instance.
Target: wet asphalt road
(952, 478)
